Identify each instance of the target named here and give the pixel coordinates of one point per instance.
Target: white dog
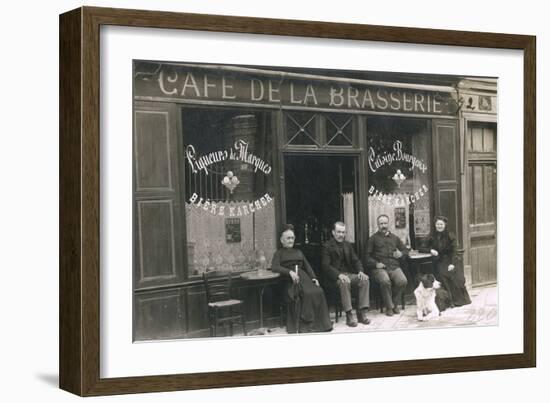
(425, 293)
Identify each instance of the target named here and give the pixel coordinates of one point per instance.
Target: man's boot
(350, 320)
(362, 316)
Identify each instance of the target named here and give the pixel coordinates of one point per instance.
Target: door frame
(280, 150)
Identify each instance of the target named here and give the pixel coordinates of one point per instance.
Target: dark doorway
(320, 190)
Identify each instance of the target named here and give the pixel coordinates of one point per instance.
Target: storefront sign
(183, 83)
(204, 164)
(231, 211)
(398, 199)
(397, 154)
(239, 152)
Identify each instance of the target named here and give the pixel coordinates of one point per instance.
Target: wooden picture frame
(80, 200)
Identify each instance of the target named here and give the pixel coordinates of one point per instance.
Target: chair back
(218, 290)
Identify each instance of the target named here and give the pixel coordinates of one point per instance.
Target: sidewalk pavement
(483, 311)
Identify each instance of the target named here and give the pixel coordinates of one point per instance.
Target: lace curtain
(206, 239)
(349, 216)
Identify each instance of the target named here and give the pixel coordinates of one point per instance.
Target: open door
(320, 190)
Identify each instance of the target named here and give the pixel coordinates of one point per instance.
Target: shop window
(399, 176)
(229, 196)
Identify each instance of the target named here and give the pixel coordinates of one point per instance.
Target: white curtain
(206, 240)
(349, 216)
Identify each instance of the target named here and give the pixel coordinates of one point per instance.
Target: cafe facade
(224, 156)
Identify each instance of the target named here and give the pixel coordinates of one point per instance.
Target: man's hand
(316, 282)
(380, 265)
(295, 278)
(451, 267)
(343, 278)
(434, 252)
(397, 254)
(362, 276)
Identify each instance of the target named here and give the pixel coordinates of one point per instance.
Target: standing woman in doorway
(442, 246)
(307, 309)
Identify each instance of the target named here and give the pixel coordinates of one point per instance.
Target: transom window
(339, 130)
(319, 130)
(301, 129)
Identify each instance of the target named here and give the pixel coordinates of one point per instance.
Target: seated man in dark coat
(342, 266)
(384, 250)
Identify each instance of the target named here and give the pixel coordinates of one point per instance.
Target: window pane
(301, 128)
(339, 130)
(230, 212)
(399, 176)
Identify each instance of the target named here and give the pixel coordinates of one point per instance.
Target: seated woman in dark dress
(442, 246)
(307, 309)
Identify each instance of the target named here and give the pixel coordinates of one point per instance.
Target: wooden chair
(222, 308)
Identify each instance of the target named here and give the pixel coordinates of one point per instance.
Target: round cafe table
(416, 258)
(260, 278)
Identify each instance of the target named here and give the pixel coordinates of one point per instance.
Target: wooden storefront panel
(446, 169)
(159, 315)
(157, 207)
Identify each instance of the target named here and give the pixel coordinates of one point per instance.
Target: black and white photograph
(270, 201)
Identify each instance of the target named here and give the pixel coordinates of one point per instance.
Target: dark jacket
(380, 249)
(331, 263)
(445, 244)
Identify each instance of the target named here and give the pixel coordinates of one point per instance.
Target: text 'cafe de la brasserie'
(292, 92)
(224, 156)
